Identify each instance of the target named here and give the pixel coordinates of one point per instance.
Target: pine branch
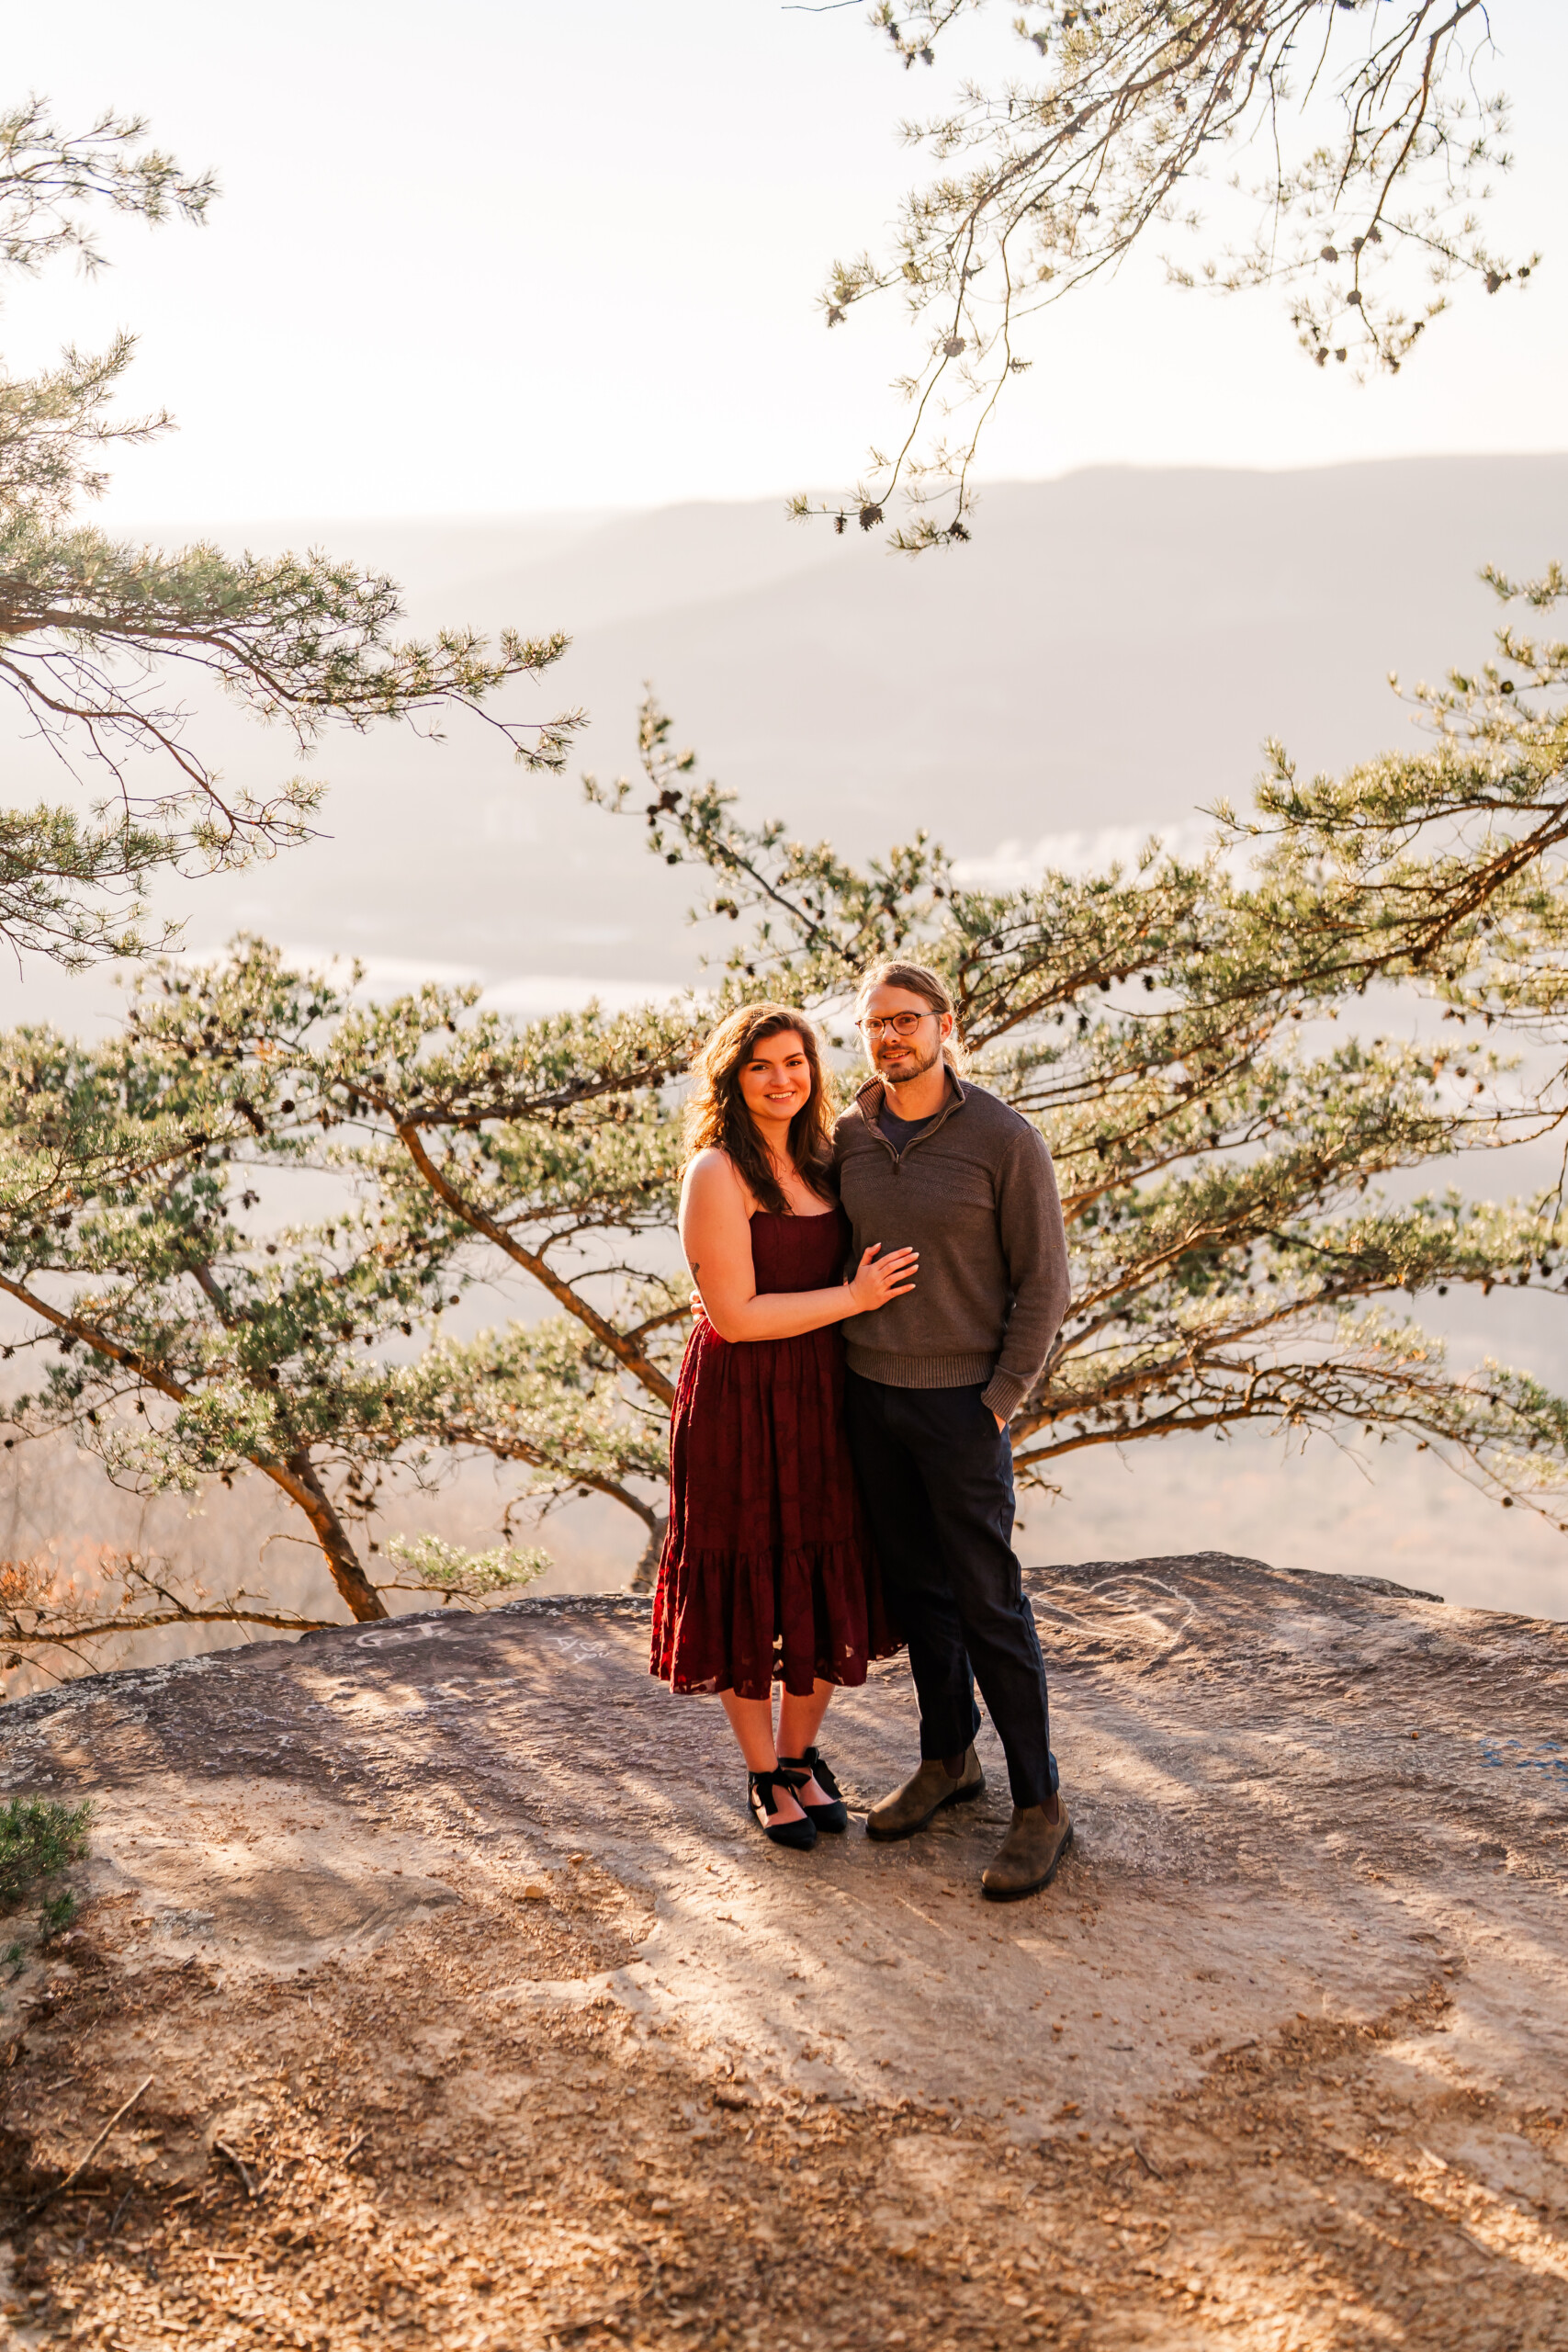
(1376, 156)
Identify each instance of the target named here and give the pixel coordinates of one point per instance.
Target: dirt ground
(471, 2012)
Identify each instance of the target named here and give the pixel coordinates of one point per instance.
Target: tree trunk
(296, 1476)
(299, 1480)
(646, 1570)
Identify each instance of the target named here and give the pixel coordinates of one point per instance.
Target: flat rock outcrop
(475, 2012)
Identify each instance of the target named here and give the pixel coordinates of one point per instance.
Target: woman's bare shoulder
(712, 1176)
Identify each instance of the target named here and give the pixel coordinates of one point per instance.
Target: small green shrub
(38, 1840)
(56, 1915)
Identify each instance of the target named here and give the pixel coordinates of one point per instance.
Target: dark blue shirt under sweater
(902, 1131)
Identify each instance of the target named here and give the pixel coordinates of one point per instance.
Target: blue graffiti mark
(1526, 1756)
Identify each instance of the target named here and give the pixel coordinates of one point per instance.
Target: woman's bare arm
(716, 1234)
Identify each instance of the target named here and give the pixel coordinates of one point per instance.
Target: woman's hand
(890, 1277)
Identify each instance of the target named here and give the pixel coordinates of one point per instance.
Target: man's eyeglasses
(903, 1024)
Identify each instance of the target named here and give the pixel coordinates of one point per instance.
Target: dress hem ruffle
(743, 1621)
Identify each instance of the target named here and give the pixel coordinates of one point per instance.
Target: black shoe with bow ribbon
(760, 1788)
(834, 1814)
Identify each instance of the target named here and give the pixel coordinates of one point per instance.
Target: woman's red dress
(767, 1573)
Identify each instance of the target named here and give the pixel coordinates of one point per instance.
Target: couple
(826, 1489)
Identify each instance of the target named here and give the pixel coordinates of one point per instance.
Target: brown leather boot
(924, 1794)
(1030, 1853)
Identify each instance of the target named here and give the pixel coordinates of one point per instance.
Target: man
(928, 1159)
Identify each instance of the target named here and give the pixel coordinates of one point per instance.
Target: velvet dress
(767, 1573)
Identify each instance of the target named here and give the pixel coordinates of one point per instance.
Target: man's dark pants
(935, 1473)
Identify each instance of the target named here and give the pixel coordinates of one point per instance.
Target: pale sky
(508, 258)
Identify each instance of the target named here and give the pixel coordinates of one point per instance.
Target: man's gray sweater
(975, 1193)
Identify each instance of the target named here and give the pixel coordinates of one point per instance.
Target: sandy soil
(475, 2013)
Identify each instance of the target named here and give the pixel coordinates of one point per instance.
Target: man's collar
(874, 1092)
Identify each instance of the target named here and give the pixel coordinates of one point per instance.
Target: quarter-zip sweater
(975, 1194)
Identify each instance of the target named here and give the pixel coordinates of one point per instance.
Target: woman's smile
(776, 1082)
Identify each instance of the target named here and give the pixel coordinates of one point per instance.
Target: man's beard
(907, 1070)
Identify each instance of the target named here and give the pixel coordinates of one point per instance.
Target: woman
(767, 1575)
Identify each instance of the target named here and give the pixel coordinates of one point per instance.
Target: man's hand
(1000, 1420)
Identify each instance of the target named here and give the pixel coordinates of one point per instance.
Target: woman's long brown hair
(717, 1115)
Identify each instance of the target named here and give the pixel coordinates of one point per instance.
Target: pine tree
(1190, 1036)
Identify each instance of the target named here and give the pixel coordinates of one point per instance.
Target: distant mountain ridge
(1109, 652)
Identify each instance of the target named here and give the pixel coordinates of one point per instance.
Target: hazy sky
(506, 256)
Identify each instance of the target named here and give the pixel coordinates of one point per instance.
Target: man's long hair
(716, 1114)
(919, 982)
